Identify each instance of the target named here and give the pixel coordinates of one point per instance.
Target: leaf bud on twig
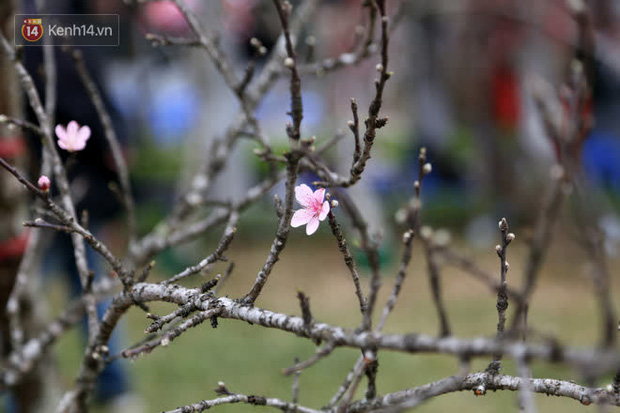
(255, 42)
(289, 62)
(503, 225)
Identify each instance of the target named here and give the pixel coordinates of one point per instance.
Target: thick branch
(413, 397)
(240, 398)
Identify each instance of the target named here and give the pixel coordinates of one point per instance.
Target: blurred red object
(165, 16)
(506, 97)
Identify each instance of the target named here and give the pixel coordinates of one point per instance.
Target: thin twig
(21, 124)
(296, 113)
(33, 249)
(111, 137)
(348, 259)
(373, 122)
(218, 57)
(59, 172)
(295, 389)
(353, 374)
(172, 334)
(227, 237)
(354, 125)
(223, 278)
(470, 267)
(502, 295)
(435, 284)
(426, 235)
(320, 354)
(350, 392)
(282, 231)
(166, 40)
(69, 225)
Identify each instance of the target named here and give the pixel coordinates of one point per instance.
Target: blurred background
(465, 72)
(464, 77)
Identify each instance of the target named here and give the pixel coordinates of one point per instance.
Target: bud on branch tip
(44, 183)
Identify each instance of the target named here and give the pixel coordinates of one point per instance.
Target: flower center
(316, 206)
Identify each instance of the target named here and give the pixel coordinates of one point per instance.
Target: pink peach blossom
(73, 138)
(314, 209)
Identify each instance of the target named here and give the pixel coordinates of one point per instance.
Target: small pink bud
(44, 183)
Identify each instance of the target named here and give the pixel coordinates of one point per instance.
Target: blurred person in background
(601, 150)
(497, 46)
(487, 97)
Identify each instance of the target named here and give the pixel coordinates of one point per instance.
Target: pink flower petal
(301, 217)
(324, 211)
(72, 129)
(63, 145)
(318, 196)
(312, 226)
(83, 134)
(304, 195)
(78, 146)
(61, 132)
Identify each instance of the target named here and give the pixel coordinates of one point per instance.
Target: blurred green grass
(249, 358)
